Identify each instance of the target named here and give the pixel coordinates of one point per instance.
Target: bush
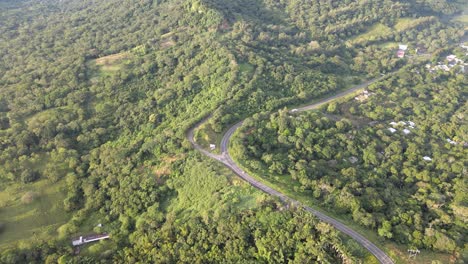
(29, 176)
(28, 197)
(66, 230)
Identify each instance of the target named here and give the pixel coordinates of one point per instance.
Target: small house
(88, 239)
(402, 47)
(391, 129)
(451, 141)
(212, 146)
(406, 131)
(426, 158)
(400, 53)
(451, 57)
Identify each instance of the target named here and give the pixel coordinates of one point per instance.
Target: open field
(408, 23)
(31, 211)
(461, 18)
(107, 65)
(111, 59)
(463, 15)
(220, 187)
(246, 68)
(388, 45)
(376, 31)
(205, 136)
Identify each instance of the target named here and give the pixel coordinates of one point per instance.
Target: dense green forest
(394, 160)
(96, 98)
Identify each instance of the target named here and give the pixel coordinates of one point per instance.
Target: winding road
(226, 159)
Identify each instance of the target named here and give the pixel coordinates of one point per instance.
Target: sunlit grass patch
(107, 65)
(373, 34)
(35, 216)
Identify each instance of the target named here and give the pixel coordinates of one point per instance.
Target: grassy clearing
(246, 68)
(107, 65)
(461, 18)
(380, 31)
(374, 33)
(221, 190)
(205, 136)
(37, 217)
(388, 45)
(167, 43)
(98, 249)
(405, 23)
(111, 59)
(165, 167)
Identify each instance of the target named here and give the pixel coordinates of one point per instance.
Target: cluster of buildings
(363, 96)
(406, 125)
(450, 62)
(419, 50)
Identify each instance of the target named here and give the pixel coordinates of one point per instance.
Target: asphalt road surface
(226, 159)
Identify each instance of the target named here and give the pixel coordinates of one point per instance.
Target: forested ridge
(96, 98)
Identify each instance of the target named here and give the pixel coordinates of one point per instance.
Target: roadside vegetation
(96, 99)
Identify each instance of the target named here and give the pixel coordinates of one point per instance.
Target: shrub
(28, 197)
(29, 176)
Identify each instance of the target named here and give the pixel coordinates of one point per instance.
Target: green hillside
(96, 98)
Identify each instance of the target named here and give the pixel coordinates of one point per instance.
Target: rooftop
(87, 239)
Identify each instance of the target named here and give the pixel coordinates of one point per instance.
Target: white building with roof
(353, 159)
(88, 239)
(451, 57)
